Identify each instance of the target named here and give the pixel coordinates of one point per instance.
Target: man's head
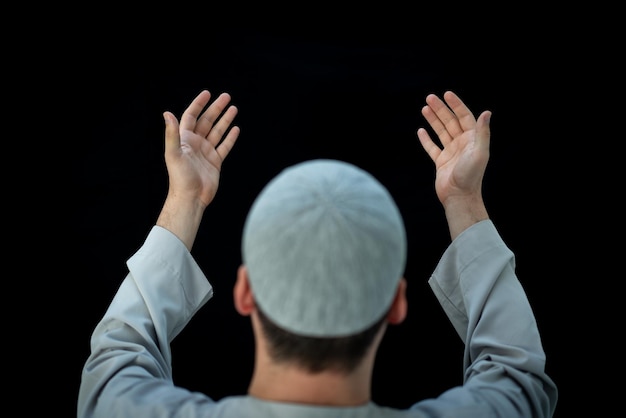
(324, 247)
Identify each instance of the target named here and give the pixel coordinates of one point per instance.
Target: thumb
(172, 136)
(483, 129)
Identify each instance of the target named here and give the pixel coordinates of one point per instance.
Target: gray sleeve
(504, 361)
(130, 358)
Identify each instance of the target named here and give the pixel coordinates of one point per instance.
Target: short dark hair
(317, 354)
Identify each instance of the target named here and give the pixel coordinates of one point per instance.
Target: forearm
(130, 356)
(463, 212)
(504, 361)
(181, 217)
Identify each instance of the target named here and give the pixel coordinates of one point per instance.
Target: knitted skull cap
(325, 248)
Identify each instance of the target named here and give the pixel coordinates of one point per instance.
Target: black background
(304, 94)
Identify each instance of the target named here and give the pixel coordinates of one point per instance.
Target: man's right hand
(461, 162)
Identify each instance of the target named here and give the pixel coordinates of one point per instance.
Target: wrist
(463, 212)
(182, 217)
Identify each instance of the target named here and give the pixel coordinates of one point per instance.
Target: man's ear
(399, 306)
(242, 293)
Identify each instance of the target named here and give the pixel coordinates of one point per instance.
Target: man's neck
(286, 383)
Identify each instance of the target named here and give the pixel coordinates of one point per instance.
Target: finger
(172, 136)
(448, 121)
(206, 121)
(429, 146)
(227, 144)
(189, 119)
(464, 117)
(221, 126)
(437, 125)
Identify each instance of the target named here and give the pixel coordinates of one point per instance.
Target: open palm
(196, 147)
(461, 161)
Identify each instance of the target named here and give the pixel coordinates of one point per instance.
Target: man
(324, 252)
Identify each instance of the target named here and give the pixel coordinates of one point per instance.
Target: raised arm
(195, 149)
(476, 283)
(129, 369)
(461, 160)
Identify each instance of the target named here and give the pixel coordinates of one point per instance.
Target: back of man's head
(325, 248)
